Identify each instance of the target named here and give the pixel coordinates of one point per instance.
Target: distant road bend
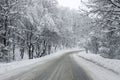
(62, 68)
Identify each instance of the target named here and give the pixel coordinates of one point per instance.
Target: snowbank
(6, 67)
(94, 71)
(110, 64)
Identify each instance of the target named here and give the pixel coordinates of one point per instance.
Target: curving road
(62, 68)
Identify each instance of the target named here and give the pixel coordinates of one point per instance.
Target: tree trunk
(13, 51)
(22, 53)
(49, 49)
(6, 28)
(31, 51)
(44, 49)
(37, 51)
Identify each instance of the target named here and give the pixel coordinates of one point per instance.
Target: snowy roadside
(110, 64)
(8, 67)
(94, 71)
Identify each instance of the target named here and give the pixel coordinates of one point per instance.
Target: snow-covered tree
(106, 22)
(10, 12)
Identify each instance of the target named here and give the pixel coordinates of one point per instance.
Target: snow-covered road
(60, 68)
(68, 66)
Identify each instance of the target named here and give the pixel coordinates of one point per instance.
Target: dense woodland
(104, 37)
(35, 28)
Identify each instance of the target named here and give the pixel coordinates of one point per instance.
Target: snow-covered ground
(95, 71)
(98, 67)
(111, 64)
(8, 67)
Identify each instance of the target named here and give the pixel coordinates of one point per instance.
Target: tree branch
(115, 4)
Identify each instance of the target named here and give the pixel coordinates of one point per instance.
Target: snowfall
(97, 67)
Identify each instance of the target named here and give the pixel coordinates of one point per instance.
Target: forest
(104, 39)
(35, 28)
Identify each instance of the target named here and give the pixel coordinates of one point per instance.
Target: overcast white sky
(72, 4)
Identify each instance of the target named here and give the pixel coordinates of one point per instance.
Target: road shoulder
(95, 71)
